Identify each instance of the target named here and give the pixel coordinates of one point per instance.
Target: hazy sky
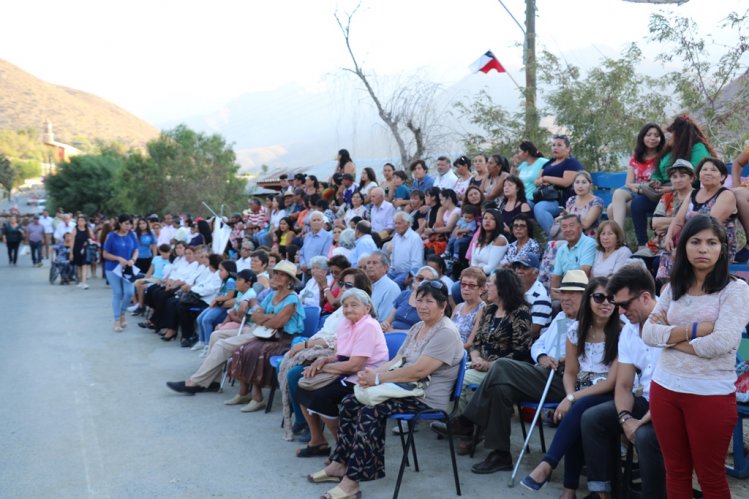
(168, 59)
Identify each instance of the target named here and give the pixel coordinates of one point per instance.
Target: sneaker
(204, 353)
(197, 346)
(84, 286)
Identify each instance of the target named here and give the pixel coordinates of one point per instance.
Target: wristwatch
(571, 398)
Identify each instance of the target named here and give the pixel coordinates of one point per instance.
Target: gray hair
(362, 297)
(435, 274)
(378, 190)
(319, 213)
(403, 215)
(319, 261)
(347, 239)
(384, 258)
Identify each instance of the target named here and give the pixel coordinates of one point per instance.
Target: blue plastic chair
(311, 318)
(429, 415)
(394, 341)
(740, 468)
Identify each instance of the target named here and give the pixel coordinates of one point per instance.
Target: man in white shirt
(526, 267)
(633, 289)
(407, 249)
(511, 381)
(167, 230)
(46, 222)
(446, 178)
(381, 214)
(384, 290)
(64, 227)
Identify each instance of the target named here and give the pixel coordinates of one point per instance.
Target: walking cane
(511, 483)
(226, 365)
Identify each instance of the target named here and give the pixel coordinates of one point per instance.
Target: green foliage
(22, 144)
(26, 169)
(604, 110)
(7, 173)
(707, 85)
(500, 131)
(86, 183)
(182, 169)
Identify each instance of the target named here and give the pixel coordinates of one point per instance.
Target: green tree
(603, 110)
(86, 183)
(713, 88)
(181, 170)
(7, 173)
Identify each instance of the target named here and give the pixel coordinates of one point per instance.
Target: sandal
(338, 493)
(321, 477)
(314, 450)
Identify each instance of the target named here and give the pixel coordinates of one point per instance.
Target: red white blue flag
(486, 63)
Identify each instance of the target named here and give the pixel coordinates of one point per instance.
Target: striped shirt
(540, 305)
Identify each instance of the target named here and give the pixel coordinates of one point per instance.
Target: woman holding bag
(433, 349)
(360, 344)
(554, 184)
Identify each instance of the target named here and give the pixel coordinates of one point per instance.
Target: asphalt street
(85, 413)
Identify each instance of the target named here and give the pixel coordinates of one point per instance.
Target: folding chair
(430, 415)
(534, 406)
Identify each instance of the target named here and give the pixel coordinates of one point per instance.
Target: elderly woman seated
(404, 314)
(313, 293)
(360, 344)
(281, 310)
(304, 352)
(432, 349)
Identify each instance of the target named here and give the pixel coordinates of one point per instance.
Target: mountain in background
(27, 102)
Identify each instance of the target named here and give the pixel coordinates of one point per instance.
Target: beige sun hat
(574, 280)
(287, 268)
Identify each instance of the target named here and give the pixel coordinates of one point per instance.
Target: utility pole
(531, 113)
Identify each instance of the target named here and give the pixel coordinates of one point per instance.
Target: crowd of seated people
(512, 264)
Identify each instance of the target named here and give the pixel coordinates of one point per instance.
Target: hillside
(26, 102)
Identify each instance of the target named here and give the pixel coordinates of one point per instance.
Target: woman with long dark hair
(531, 164)
(368, 181)
(686, 141)
(649, 144)
(498, 168)
(554, 184)
(514, 203)
(699, 318)
(490, 245)
(120, 253)
(463, 171)
(146, 244)
(345, 163)
(80, 238)
(589, 380)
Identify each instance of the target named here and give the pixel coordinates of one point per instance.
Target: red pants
(693, 432)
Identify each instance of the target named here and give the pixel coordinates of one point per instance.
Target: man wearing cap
(35, 236)
(317, 241)
(578, 253)
(511, 381)
(47, 222)
(526, 267)
(407, 249)
(446, 178)
(382, 214)
(633, 289)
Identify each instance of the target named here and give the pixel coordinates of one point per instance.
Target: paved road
(85, 413)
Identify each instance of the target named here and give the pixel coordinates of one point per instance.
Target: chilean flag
(486, 63)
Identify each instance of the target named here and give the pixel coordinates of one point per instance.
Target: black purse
(191, 299)
(546, 193)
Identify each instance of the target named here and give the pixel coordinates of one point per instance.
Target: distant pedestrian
(35, 235)
(47, 222)
(13, 234)
(81, 238)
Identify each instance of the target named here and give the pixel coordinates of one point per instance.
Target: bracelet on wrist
(377, 379)
(624, 419)
(623, 413)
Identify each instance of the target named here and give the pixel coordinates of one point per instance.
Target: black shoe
(214, 387)
(146, 325)
(181, 387)
(169, 338)
(139, 311)
(495, 461)
(458, 427)
(188, 342)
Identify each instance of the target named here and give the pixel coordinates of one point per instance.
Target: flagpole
(516, 83)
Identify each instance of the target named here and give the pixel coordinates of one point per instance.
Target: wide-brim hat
(287, 268)
(574, 280)
(680, 164)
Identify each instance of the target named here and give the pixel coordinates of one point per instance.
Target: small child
(462, 233)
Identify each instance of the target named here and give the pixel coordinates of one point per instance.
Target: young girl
(219, 308)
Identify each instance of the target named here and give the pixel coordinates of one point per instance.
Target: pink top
(642, 171)
(362, 339)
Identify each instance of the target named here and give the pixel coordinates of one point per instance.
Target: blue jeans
(641, 207)
(36, 251)
(568, 440)
(545, 212)
(122, 293)
(262, 238)
(292, 377)
(208, 319)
